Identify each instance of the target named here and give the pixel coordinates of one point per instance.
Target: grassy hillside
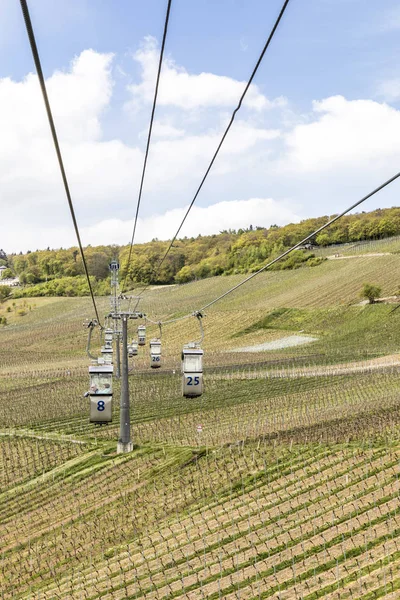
(289, 491)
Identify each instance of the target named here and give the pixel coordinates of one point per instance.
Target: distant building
(11, 281)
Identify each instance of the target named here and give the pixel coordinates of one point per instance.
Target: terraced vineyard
(289, 490)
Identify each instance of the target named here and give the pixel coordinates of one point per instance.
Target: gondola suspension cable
(277, 259)
(271, 35)
(36, 58)
(148, 142)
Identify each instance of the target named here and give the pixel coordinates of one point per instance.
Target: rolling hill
(288, 490)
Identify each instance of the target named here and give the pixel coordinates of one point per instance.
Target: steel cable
(36, 58)
(148, 141)
(271, 35)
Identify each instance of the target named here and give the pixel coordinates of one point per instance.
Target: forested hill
(60, 272)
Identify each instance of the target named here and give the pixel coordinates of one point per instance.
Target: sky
(319, 128)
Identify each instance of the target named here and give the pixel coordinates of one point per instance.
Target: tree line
(60, 271)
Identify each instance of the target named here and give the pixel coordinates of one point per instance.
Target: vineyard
(281, 481)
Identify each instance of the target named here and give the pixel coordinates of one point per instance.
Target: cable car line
(148, 139)
(192, 353)
(277, 259)
(101, 373)
(271, 35)
(36, 58)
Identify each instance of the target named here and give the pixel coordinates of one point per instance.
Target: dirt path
(284, 342)
(339, 257)
(49, 437)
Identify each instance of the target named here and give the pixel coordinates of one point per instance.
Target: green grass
(343, 332)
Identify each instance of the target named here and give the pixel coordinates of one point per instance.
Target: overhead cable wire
(278, 258)
(148, 140)
(246, 89)
(36, 58)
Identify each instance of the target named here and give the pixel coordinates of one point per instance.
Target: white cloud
(389, 90)
(80, 96)
(201, 220)
(77, 99)
(163, 129)
(341, 147)
(345, 134)
(186, 91)
(173, 161)
(204, 220)
(103, 174)
(29, 174)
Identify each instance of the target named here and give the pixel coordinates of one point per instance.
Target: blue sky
(322, 45)
(321, 131)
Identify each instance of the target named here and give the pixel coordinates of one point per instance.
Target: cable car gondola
(100, 393)
(141, 335)
(108, 337)
(155, 353)
(192, 370)
(107, 355)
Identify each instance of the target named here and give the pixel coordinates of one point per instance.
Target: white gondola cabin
(155, 353)
(132, 349)
(141, 335)
(108, 337)
(100, 393)
(192, 370)
(107, 355)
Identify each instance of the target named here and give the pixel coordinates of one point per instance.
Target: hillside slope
(290, 488)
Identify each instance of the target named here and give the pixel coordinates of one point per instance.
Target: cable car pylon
(125, 443)
(115, 306)
(120, 329)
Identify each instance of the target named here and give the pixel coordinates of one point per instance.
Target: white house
(10, 282)
(14, 281)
